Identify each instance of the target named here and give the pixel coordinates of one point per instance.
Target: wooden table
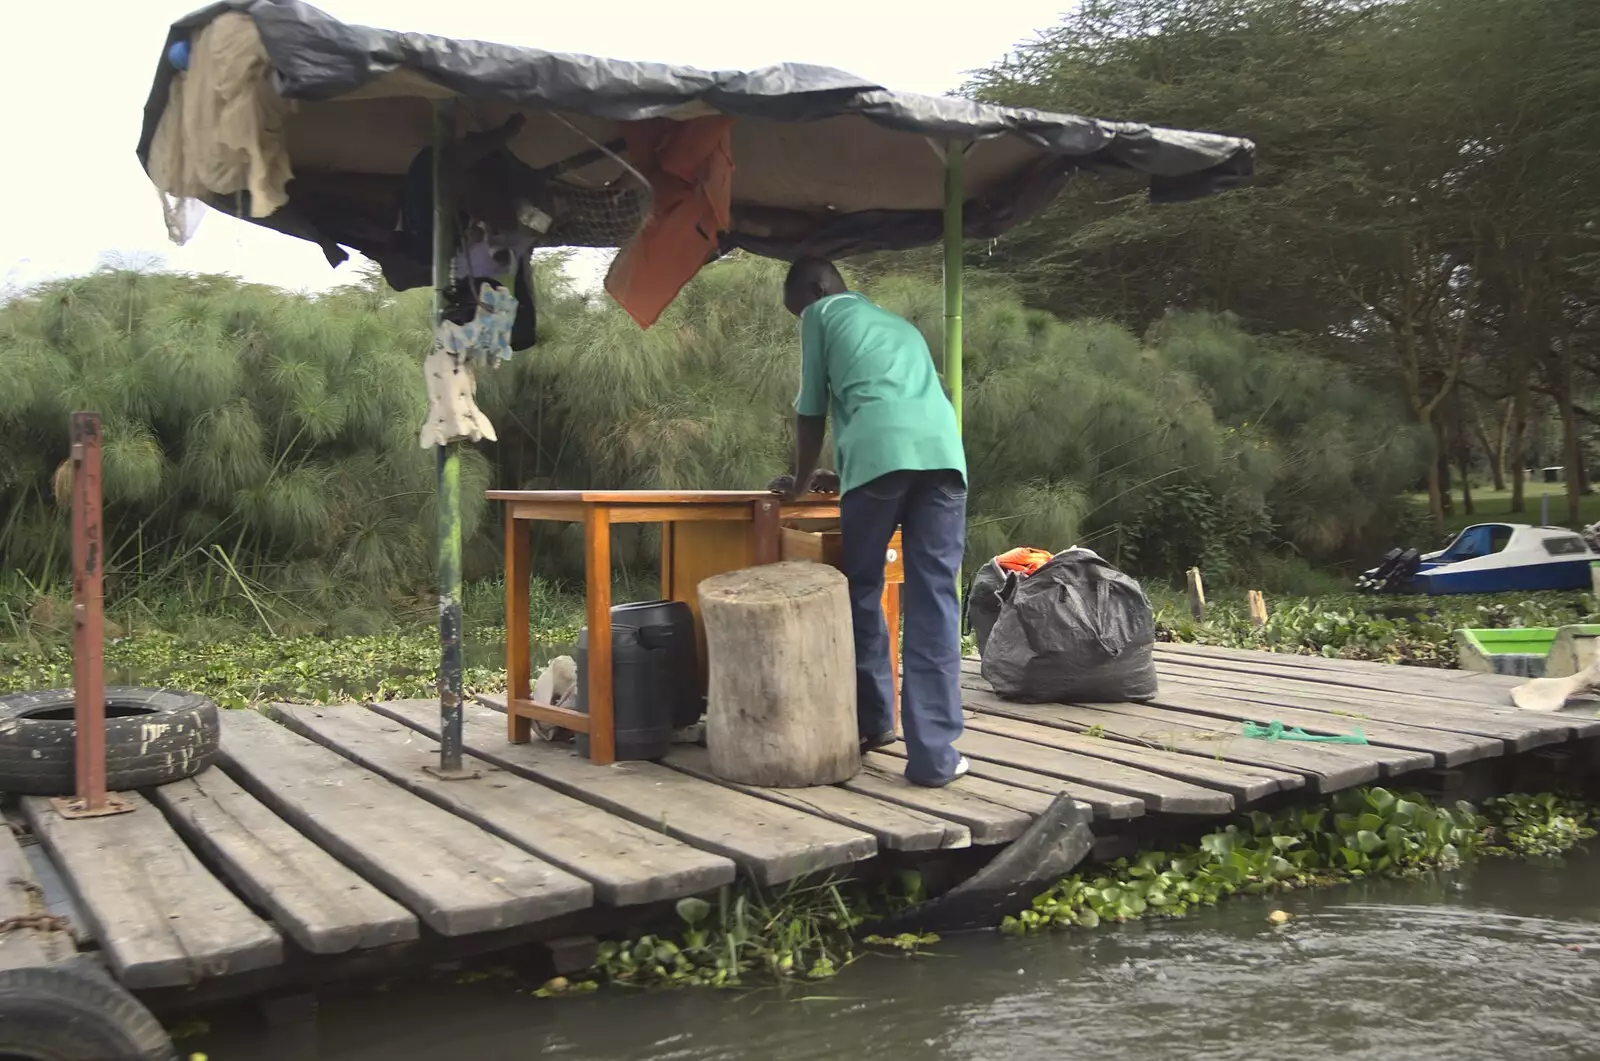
(703, 533)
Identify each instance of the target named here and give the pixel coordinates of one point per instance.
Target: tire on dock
(153, 736)
(74, 1010)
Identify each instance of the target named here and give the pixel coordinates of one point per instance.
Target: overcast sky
(76, 77)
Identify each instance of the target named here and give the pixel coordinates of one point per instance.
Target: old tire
(153, 736)
(75, 1012)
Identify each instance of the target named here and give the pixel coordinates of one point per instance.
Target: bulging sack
(1076, 630)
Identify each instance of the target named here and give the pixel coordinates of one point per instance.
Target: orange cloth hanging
(690, 168)
(1023, 561)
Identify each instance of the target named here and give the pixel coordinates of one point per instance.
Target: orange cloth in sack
(1023, 561)
(690, 168)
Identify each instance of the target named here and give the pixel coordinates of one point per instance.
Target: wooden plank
(457, 878)
(1203, 701)
(897, 828)
(995, 813)
(1326, 768)
(1246, 784)
(312, 897)
(1326, 663)
(21, 897)
(1103, 804)
(772, 843)
(1521, 731)
(626, 864)
(160, 917)
(1216, 701)
(1159, 793)
(1435, 684)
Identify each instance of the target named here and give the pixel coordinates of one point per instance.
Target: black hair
(812, 274)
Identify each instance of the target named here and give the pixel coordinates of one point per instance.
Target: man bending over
(900, 463)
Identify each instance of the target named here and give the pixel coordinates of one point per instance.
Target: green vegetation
(1409, 630)
(810, 931)
(1364, 833)
(1542, 826)
(1425, 212)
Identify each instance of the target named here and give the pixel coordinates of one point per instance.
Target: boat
(1489, 558)
(1528, 651)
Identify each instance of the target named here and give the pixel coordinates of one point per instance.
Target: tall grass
(262, 466)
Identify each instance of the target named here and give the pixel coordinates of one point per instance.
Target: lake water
(1501, 960)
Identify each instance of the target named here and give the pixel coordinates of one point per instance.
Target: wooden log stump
(781, 702)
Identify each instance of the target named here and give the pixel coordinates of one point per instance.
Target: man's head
(810, 279)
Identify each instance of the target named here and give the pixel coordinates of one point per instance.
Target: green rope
(1278, 731)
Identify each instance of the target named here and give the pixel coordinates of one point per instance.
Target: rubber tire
(176, 738)
(75, 1012)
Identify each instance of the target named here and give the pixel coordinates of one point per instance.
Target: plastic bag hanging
(450, 370)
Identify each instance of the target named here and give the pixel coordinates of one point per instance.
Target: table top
(654, 497)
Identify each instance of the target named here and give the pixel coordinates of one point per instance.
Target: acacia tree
(1426, 165)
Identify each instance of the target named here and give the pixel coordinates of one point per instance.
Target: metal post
(954, 191)
(449, 475)
(88, 671)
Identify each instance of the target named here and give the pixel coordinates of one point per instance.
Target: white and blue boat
(1491, 558)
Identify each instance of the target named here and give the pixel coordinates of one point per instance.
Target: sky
(73, 88)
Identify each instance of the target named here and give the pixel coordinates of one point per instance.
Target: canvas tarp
(825, 162)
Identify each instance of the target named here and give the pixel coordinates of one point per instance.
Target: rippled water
(1501, 961)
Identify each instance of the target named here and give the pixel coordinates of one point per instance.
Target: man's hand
(783, 486)
(824, 481)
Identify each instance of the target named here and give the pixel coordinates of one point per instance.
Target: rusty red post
(88, 663)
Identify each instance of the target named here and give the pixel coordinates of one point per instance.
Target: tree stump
(781, 703)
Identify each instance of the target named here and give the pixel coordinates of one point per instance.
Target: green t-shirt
(873, 372)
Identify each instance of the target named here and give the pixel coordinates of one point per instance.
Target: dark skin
(809, 280)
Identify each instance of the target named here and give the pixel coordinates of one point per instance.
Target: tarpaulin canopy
(309, 126)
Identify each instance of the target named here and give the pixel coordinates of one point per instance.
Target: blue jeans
(930, 508)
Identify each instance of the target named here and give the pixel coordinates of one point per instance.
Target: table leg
(666, 560)
(766, 535)
(519, 667)
(891, 617)
(597, 590)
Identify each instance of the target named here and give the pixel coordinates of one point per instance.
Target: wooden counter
(703, 533)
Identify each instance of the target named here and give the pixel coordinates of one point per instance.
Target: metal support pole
(449, 474)
(954, 192)
(88, 671)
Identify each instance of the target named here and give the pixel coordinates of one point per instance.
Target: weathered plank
(771, 843)
(1217, 701)
(1246, 784)
(626, 863)
(1159, 792)
(1111, 806)
(456, 877)
(897, 828)
(21, 897)
(1324, 663)
(160, 917)
(1432, 683)
(312, 897)
(995, 813)
(1520, 731)
(1326, 768)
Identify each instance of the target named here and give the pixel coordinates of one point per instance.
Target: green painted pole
(954, 193)
(449, 477)
(954, 154)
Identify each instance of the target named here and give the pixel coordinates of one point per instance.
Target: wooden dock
(322, 844)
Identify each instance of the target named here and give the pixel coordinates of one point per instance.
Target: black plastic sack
(983, 600)
(1076, 630)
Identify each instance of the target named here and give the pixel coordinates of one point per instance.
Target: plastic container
(654, 689)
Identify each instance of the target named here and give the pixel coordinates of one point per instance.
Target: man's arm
(810, 407)
(808, 434)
